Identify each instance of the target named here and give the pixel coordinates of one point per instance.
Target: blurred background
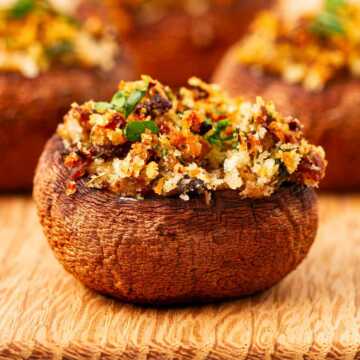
(304, 56)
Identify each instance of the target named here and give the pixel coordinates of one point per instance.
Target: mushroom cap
(31, 109)
(331, 117)
(197, 42)
(165, 250)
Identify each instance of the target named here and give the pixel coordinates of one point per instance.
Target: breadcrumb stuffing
(34, 36)
(193, 141)
(311, 50)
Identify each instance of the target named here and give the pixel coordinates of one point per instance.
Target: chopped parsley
(134, 129)
(21, 8)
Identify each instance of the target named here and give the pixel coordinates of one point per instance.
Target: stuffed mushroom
(309, 65)
(173, 40)
(49, 57)
(160, 197)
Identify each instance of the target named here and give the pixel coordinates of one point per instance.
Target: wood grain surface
(313, 314)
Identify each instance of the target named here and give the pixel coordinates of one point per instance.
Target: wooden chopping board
(313, 314)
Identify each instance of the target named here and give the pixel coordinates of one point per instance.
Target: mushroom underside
(163, 251)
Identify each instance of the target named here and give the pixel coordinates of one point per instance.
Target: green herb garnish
(134, 129)
(215, 137)
(21, 8)
(127, 104)
(329, 22)
(334, 5)
(131, 102)
(119, 100)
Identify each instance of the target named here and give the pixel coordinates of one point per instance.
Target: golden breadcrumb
(34, 36)
(151, 140)
(311, 51)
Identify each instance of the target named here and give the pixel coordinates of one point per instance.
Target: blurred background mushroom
(173, 40)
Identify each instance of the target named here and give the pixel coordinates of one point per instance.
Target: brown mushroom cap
(30, 109)
(331, 117)
(196, 42)
(165, 250)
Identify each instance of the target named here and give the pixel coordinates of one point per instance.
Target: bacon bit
(195, 122)
(117, 120)
(177, 139)
(84, 117)
(164, 127)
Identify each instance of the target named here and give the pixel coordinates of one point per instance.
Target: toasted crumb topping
(150, 140)
(34, 36)
(312, 50)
